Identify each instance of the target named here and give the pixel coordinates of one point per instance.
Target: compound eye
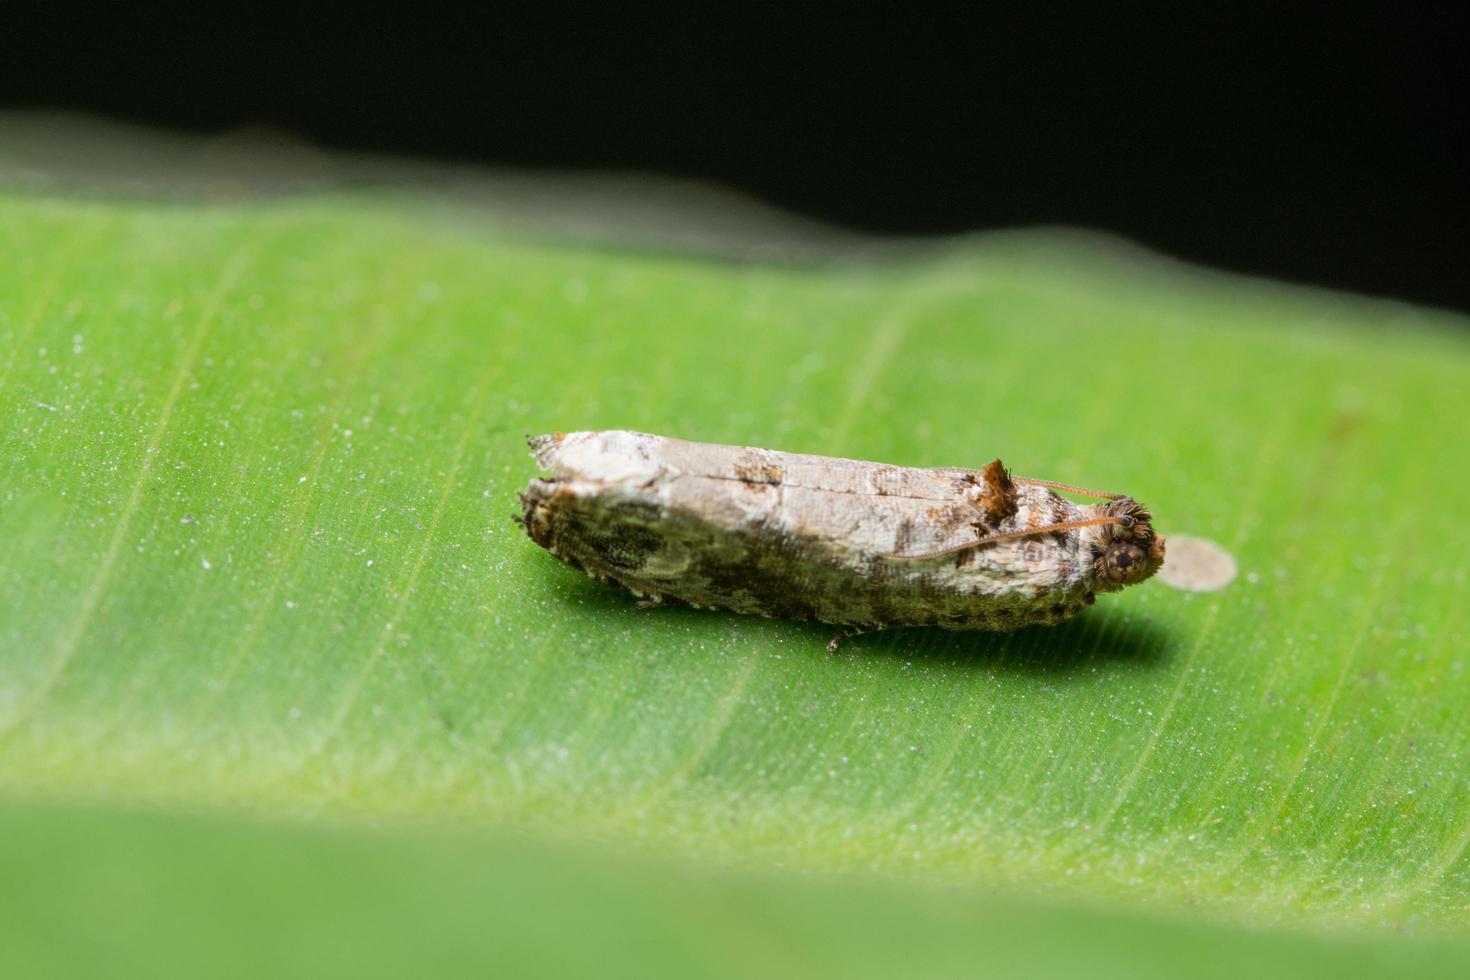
(1124, 561)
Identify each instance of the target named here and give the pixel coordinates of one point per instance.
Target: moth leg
(848, 633)
(649, 602)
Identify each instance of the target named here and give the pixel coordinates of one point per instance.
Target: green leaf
(256, 559)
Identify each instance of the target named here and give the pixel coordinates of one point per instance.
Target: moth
(859, 545)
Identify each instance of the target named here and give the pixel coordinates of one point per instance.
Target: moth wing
(823, 500)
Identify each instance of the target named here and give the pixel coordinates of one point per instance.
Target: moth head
(1128, 551)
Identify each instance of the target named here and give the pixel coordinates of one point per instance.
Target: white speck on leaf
(1196, 564)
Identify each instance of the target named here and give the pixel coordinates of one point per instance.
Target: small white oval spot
(1196, 564)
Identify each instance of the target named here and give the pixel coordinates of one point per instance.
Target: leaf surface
(256, 557)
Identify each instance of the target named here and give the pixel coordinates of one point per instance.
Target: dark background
(1319, 145)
